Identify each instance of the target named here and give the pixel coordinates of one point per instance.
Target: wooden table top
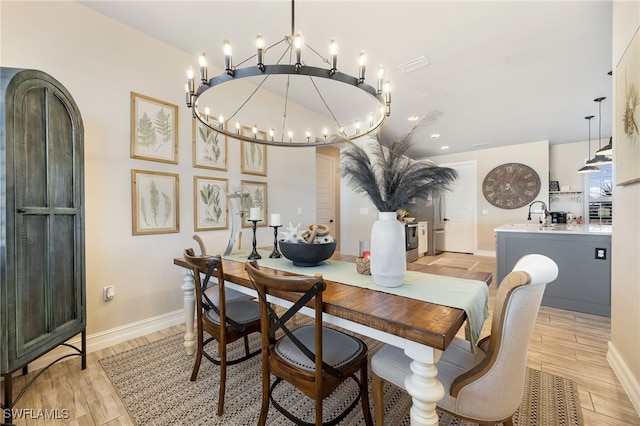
(423, 322)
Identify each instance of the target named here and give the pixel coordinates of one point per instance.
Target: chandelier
(246, 122)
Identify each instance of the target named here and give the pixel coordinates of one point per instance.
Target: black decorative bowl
(303, 254)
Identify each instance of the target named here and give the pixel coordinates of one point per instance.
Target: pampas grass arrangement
(382, 171)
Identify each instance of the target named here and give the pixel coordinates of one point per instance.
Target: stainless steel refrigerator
(433, 213)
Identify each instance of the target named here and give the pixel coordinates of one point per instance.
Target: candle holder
(275, 254)
(254, 253)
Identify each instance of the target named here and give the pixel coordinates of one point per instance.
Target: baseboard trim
(111, 337)
(629, 383)
(485, 253)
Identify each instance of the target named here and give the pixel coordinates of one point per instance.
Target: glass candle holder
(365, 249)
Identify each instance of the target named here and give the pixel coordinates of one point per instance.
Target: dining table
(405, 317)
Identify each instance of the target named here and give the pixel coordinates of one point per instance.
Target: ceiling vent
(414, 64)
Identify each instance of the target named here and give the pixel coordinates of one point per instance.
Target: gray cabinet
(584, 280)
(42, 268)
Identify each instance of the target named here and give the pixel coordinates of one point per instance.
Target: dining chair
(485, 385)
(313, 358)
(212, 290)
(241, 318)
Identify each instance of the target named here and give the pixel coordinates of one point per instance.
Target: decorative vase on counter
(388, 252)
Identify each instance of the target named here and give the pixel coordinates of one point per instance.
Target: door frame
(474, 198)
(334, 152)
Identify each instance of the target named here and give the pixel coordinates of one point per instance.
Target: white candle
(275, 219)
(254, 213)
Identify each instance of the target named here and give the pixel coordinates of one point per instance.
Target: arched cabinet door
(42, 207)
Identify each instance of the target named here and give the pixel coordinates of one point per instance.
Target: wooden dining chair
(486, 385)
(242, 317)
(314, 359)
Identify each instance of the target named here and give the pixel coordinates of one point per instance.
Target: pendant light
(589, 168)
(607, 149)
(598, 159)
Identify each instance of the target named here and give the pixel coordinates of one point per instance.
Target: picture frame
(155, 202)
(253, 156)
(554, 185)
(210, 148)
(627, 121)
(210, 205)
(257, 198)
(154, 129)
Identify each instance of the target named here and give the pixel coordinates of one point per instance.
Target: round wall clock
(511, 185)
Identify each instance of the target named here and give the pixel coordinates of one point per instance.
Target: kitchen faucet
(544, 210)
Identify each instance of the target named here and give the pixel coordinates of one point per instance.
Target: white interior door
(326, 211)
(460, 210)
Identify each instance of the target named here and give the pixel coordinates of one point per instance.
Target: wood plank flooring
(566, 343)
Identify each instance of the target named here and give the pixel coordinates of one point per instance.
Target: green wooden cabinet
(42, 267)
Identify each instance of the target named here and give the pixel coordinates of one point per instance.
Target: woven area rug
(153, 382)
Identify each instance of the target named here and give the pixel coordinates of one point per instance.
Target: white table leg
(423, 386)
(188, 287)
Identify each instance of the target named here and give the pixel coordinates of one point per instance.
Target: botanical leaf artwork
(210, 195)
(253, 156)
(156, 206)
(256, 199)
(154, 134)
(211, 149)
(632, 100)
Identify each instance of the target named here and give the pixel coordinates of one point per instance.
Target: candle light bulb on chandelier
(202, 60)
(260, 52)
(226, 47)
(380, 86)
(333, 50)
(362, 66)
(297, 42)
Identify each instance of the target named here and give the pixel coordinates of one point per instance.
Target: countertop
(558, 228)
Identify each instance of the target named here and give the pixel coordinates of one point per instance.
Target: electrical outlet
(601, 253)
(108, 293)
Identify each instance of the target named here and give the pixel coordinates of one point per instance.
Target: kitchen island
(583, 255)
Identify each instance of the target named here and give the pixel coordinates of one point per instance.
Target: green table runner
(470, 295)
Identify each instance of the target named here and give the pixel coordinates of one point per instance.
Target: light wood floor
(566, 343)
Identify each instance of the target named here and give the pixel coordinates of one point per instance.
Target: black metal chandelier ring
(286, 69)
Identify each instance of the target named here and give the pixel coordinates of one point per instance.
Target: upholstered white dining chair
(486, 385)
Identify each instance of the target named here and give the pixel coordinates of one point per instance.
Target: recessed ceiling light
(435, 135)
(444, 147)
(481, 144)
(413, 118)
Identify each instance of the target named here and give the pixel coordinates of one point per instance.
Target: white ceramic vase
(388, 251)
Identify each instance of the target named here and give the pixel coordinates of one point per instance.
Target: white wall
(100, 62)
(534, 155)
(624, 348)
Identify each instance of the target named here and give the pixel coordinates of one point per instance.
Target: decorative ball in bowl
(306, 254)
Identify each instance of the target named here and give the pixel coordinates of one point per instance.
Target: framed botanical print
(627, 145)
(155, 199)
(209, 147)
(210, 203)
(253, 156)
(257, 198)
(154, 129)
